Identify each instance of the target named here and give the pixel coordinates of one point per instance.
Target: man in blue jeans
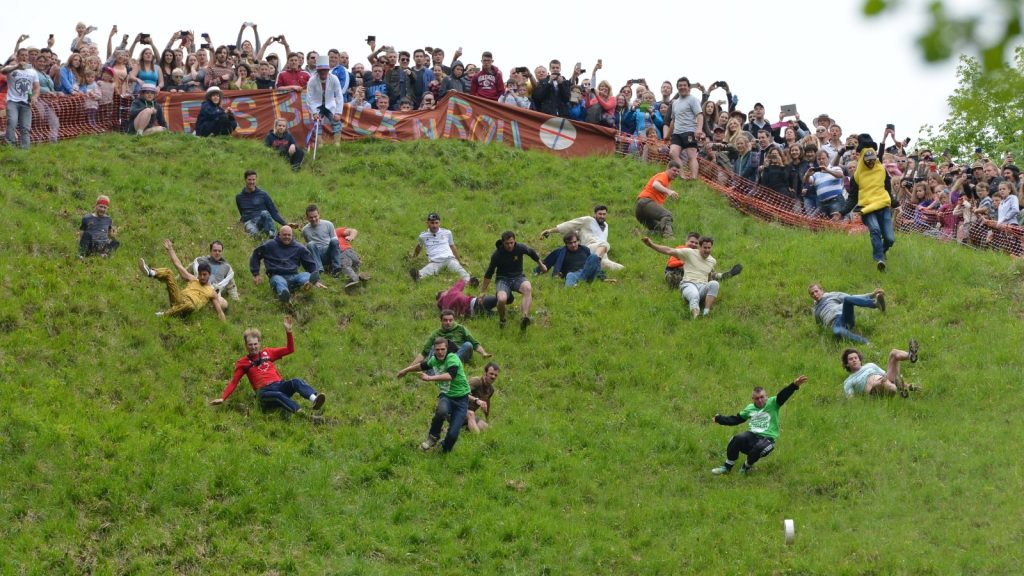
(453, 398)
(282, 257)
(22, 87)
(256, 209)
(575, 262)
(835, 310)
(871, 193)
(460, 340)
(271, 390)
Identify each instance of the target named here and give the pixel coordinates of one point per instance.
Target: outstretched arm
(788, 391)
(658, 247)
(169, 246)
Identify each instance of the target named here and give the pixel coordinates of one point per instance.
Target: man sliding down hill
(258, 365)
(763, 415)
(194, 296)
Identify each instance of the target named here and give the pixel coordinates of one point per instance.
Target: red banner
(456, 116)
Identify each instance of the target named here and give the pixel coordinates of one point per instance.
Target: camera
(183, 33)
(371, 38)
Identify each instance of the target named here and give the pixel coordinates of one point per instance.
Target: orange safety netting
(60, 117)
(750, 198)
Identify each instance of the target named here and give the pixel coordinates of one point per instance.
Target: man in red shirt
(293, 77)
(487, 83)
(650, 203)
(258, 365)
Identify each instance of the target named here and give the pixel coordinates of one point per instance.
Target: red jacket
(260, 368)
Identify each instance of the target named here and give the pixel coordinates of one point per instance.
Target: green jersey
(458, 386)
(763, 421)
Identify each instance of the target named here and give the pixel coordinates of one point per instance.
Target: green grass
(597, 462)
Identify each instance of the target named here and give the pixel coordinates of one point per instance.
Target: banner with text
(456, 116)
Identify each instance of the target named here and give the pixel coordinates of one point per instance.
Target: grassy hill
(598, 459)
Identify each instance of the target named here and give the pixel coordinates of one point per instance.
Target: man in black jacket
(507, 261)
(551, 95)
(282, 257)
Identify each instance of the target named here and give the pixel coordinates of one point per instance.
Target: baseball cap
(433, 216)
(870, 154)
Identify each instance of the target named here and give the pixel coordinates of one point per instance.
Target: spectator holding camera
(147, 71)
(512, 97)
(214, 120)
(551, 95)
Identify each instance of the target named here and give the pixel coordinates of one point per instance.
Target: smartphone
(184, 33)
(144, 37)
(600, 62)
(231, 47)
(890, 127)
(51, 36)
(371, 38)
(206, 46)
(205, 35)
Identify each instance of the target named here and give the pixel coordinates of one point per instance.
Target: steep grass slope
(598, 459)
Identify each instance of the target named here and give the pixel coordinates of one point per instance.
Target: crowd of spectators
(809, 164)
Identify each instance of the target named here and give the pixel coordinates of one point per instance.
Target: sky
(822, 56)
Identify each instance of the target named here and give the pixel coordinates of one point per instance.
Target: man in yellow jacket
(870, 190)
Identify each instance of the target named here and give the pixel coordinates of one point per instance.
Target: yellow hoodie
(872, 194)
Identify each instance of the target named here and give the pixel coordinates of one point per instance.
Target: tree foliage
(986, 110)
(948, 34)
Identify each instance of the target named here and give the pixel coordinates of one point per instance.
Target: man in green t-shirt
(453, 397)
(763, 415)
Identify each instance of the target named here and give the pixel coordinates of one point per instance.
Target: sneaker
(881, 265)
(352, 284)
(429, 443)
(285, 296)
(913, 350)
(880, 302)
(363, 277)
(474, 281)
(161, 313)
(501, 323)
(525, 323)
(745, 469)
(415, 274)
(720, 470)
(145, 269)
(318, 402)
(734, 271)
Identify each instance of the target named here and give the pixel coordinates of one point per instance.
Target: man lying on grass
(763, 415)
(271, 390)
(835, 310)
(196, 294)
(870, 379)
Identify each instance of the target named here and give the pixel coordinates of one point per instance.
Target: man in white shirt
(592, 232)
(441, 251)
(700, 281)
(22, 87)
(324, 96)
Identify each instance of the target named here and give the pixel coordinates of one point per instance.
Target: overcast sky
(823, 56)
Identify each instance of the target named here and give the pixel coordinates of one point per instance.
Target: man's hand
(543, 268)
(646, 240)
(799, 380)
(481, 403)
(425, 377)
(288, 322)
(216, 402)
(715, 418)
(168, 245)
(257, 279)
(486, 354)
